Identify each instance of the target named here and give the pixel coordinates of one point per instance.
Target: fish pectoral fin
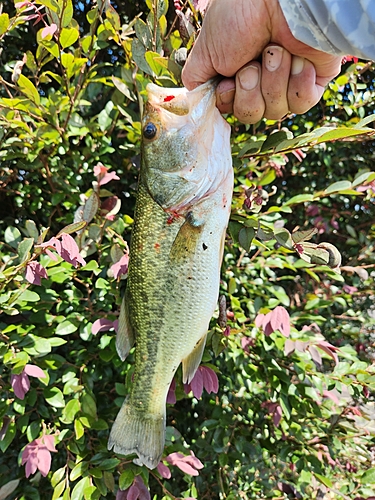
(125, 333)
(190, 363)
(187, 238)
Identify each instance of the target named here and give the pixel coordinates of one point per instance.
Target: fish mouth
(180, 101)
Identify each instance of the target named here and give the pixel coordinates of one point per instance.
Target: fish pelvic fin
(138, 432)
(125, 337)
(192, 361)
(186, 241)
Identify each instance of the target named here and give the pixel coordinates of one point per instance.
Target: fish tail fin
(138, 432)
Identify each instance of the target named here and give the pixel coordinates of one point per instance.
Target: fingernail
(227, 97)
(273, 56)
(249, 77)
(297, 65)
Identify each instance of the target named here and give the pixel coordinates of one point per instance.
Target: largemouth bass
(182, 211)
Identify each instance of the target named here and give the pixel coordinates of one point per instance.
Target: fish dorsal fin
(125, 333)
(190, 363)
(185, 243)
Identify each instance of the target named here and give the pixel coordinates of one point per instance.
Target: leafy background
(293, 343)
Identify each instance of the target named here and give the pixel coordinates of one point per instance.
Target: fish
(182, 210)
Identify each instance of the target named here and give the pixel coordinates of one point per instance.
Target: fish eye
(150, 130)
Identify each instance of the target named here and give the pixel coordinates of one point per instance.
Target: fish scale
(182, 211)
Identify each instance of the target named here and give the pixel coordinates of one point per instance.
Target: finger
(303, 91)
(249, 104)
(276, 63)
(225, 93)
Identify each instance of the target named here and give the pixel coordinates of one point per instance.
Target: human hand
(290, 78)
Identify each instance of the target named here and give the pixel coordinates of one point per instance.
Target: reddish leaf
(121, 267)
(102, 174)
(48, 30)
(329, 349)
(196, 384)
(101, 325)
(188, 464)
(277, 414)
(315, 355)
(210, 380)
(280, 320)
(35, 271)
(333, 395)
(289, 347)
(20, 384)
(164, 471)
(34, 371)
(171, 396)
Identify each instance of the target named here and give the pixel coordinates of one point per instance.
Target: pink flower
(21, 383)
(204, 378)
(36, 455)
(164, 471)
(35, 271)
(101, 173)
(103, 325)
(136, 491)
(278, 319)
(171, 396)
(188, 464)
(67, 248)
(121, 267)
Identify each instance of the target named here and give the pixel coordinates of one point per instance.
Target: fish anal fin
(192, 361)
(125, 333)
(185, 243)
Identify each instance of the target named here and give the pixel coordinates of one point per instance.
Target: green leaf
(245, 237)
(89, 406)
(72, 228)
(78, 470)
(29, 89)
(31, 229)
(66, 7)
(336, 187)
(12, 236)
(8, 488)
(51, 46)
(66, 327)
(78, 429)
(9, 436)
(109, 463)
(54, 397)
(57, 476)
(58, 489)
(4, 22)
(284, 238)
(79, 488)
(126, 479)
(68, 37)
(70, 411)
(28, 296)
(138, 52)
(299, 198)
(275, 139)
(24, 248)
(91, 207)
(368, 477)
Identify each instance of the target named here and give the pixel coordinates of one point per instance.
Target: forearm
(334, 26)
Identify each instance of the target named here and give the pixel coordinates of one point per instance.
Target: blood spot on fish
(225, 201)
(169, 98)
(173, 217)
(157, 246)
(204, 246)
